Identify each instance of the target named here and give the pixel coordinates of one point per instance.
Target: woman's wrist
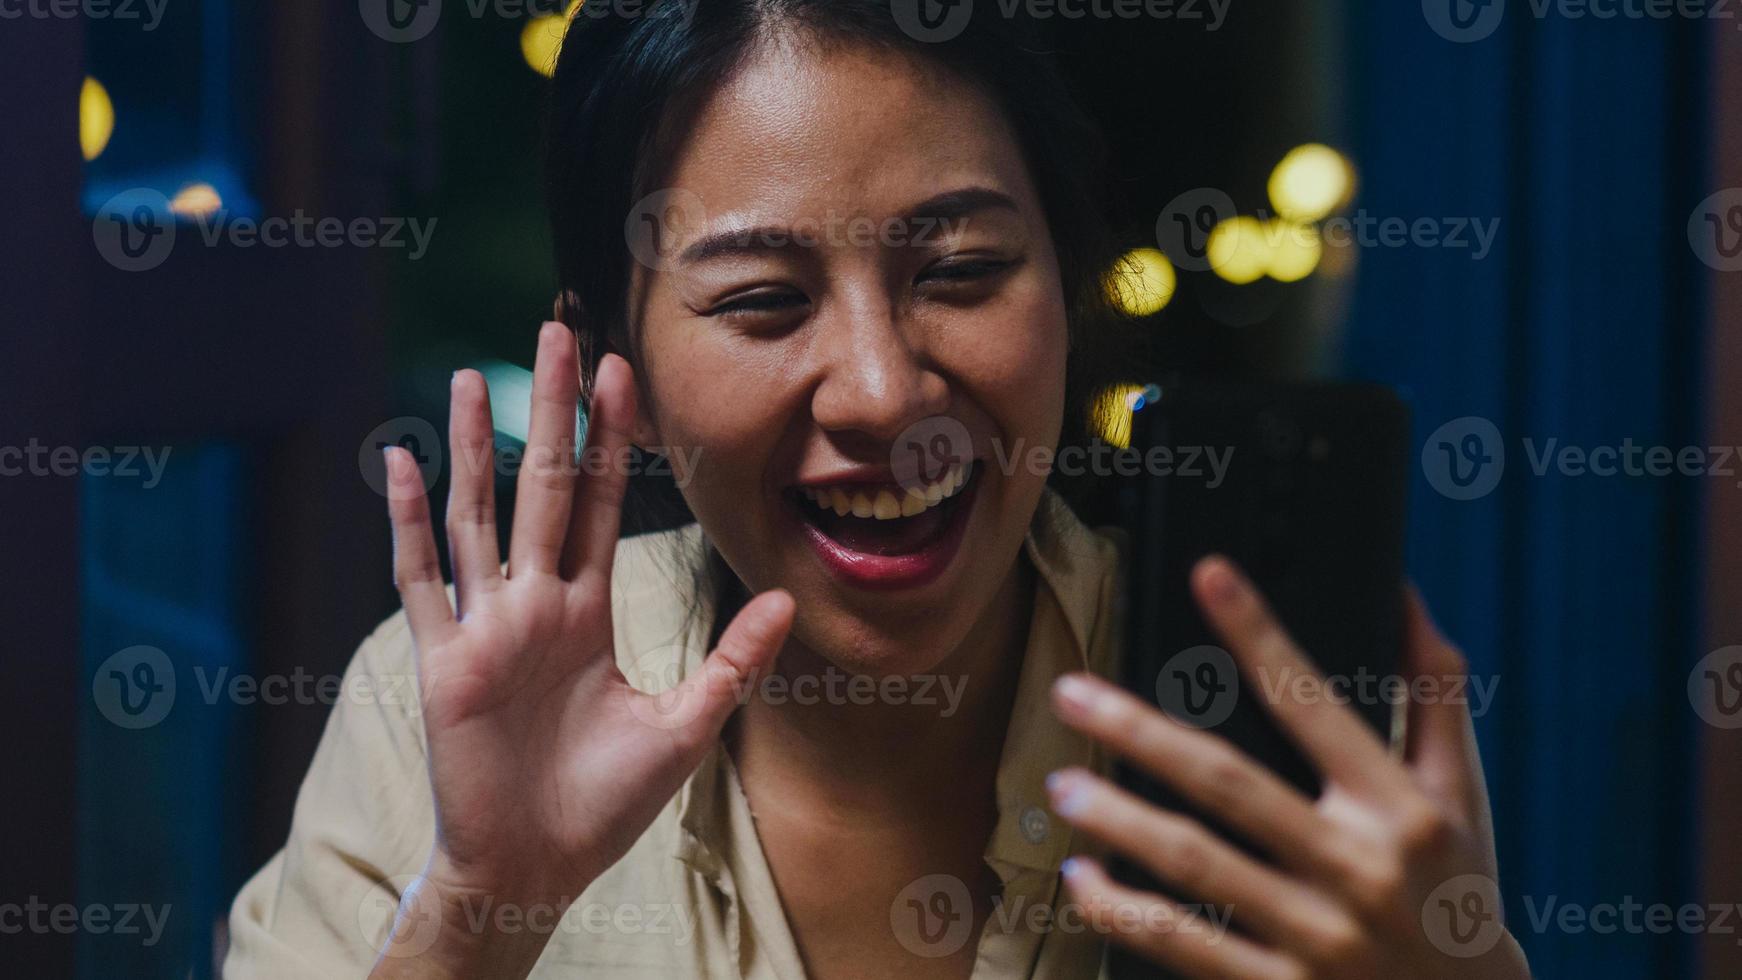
(451, 923)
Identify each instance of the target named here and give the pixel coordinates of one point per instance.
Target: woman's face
(856, 300)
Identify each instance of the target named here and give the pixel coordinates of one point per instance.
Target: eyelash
(765, 302)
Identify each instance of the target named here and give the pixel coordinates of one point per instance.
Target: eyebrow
(759, 239)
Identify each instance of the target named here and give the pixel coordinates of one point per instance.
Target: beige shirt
(694, 897)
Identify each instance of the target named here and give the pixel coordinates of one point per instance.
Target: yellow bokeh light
(96, 119)
(1141, 282)
(1310, 182)
(1238, 250)
(1294, 250)
(1110, 414)
(196, 200)
(542, 38)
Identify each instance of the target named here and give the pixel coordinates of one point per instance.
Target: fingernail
(1069, 793)
(1076, 692)
(1221, 582)
(1071, 868)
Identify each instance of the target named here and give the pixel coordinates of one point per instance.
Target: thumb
(747, 648)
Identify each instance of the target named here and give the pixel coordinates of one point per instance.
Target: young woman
(882, 736)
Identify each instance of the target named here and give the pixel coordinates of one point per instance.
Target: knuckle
(1226, 780)
(1380, 886)
(1340, 945)
(1424, 832)
(1183, 854)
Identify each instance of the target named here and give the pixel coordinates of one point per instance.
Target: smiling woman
(847, 271)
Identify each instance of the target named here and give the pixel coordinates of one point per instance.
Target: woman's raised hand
(546, 764)
(1389, 873)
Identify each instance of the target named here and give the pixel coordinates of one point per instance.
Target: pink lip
(886, 573)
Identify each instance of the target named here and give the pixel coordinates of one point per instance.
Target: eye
(761, 302)
(963, 270)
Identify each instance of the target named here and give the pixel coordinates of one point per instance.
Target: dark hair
(625, 87)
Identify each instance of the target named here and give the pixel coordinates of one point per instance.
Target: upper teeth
(887, 505)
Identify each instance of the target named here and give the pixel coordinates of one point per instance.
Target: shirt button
(1035, 825)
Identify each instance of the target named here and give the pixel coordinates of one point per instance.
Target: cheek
(1012, 361)
(721, 408)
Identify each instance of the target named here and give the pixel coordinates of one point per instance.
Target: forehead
(804, 128)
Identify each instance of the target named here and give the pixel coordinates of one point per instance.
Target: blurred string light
(1292, 250)
(96, 119)
(542, 38)
(1238, 249)
(1309, 183)
(1110, 413)
(196, 201)
(1141, 282)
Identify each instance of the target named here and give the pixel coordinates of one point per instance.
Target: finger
(1195, 942)
(598, 507)
(545, 489)
(471, 520)
(1205, 769)
(417, 570)
(1333, 738)
(1442, 737)
(1195, 862)
(748, 646)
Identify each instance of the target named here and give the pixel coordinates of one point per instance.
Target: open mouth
(888, 536)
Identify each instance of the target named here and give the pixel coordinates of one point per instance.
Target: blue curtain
(1582, 324)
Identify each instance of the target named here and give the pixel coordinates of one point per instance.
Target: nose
(875, 379)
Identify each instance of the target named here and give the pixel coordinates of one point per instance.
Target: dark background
(264, 550)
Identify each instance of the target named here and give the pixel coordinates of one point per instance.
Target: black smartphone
(1303, 485)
